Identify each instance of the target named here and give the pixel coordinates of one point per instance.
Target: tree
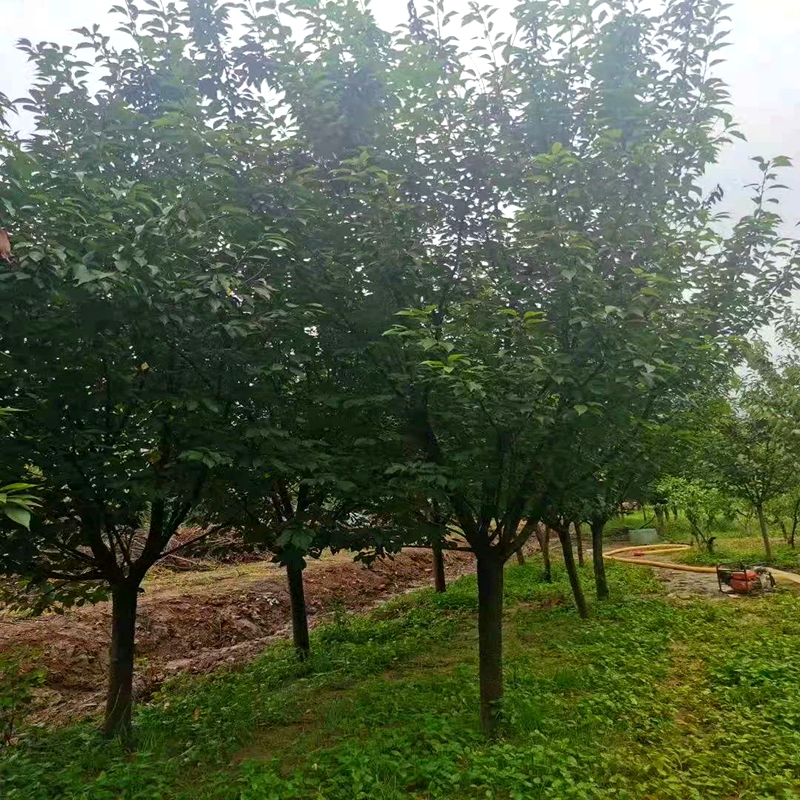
(133, 311)
(705, 507)
(505, 264)
(302, 478)
(783, 507)
(750, 448)
(526, 233)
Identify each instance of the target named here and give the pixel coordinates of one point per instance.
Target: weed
(19, 679)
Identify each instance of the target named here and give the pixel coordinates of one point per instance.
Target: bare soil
(193, 622)
(689, 585)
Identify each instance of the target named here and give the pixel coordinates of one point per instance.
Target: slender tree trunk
(490, 638)
(599, 564)
(659, 519)
(675, 512)
(297, 598)
(572, 572)
(579, 540)
(783, 530)
(762, 522)
(119, 700)
(439, 581)
(543, 536)
(520, 557)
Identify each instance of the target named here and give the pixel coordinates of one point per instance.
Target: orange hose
(615, 555)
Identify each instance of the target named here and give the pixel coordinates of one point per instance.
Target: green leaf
(15, 487)
(19, 515)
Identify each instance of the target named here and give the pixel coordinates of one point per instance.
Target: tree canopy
(278, 270)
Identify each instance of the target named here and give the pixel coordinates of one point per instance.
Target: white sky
(763, 71)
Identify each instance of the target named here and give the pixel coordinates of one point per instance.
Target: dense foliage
(276, 271)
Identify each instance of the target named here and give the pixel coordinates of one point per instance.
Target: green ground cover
(647, 699)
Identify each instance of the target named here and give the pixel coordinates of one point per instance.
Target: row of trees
(281, 272)
(745, 444)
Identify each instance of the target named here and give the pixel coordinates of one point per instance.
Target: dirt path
(689, 585)
(197, 621)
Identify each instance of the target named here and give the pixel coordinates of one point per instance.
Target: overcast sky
(763, 71)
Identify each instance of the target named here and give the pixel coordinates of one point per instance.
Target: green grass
(647, 699)
(749, 550)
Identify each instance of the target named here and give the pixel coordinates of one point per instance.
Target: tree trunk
(520, 557)
(579, 540)
(119, 700)
(572, 572)
(762, 522)
(543, 536)
(599, 564)
(783, 530)
(659, 519)
(439, 582)
(490, 638)
(297, 598)
(675, 512)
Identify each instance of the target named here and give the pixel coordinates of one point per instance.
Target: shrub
(19, 679)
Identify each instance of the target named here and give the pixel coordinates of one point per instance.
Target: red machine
(744, 580)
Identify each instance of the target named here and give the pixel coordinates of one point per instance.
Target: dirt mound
(194, 622)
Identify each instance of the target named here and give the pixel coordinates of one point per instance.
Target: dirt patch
(196, 622)
(684, 585)
(689, 585)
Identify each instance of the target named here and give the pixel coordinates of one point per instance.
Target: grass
(748, 550)
(645, 700)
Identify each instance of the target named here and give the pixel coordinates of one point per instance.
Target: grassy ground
(648, 699)
(749, 550)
